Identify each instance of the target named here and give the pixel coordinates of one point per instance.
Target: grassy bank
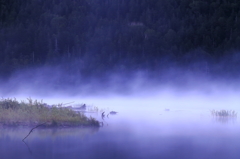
(15, 113)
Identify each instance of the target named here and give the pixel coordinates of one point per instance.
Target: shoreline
(34, 113)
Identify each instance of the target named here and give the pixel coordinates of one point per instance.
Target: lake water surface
(147, 129)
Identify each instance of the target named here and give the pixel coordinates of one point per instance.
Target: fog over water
(180, 89)
(127, 91)
(140, 92)
(156, 118)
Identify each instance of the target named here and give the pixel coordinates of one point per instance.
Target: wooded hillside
(103, 34)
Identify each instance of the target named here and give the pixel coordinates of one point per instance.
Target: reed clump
(33, 112)
(224, 113)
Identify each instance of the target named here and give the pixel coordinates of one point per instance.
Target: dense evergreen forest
(97, 35)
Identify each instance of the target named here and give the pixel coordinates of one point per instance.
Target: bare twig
(68, 103)
(32, 130)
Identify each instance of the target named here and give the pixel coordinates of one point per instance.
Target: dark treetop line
(102, 34)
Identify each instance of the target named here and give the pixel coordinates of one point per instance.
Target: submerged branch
(32, 130)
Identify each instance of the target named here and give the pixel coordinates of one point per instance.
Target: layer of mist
(55, 80)
(195, 86)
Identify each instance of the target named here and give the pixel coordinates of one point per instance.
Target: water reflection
(41, 139)
(173, 134)
(225, 119)
(29, 150)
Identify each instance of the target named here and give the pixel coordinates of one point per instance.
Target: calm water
(177, 133)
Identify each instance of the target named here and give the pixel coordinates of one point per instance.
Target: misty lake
(143, 128)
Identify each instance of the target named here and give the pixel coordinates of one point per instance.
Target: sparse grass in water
(224, 113)
(95, 109)
(35, 112)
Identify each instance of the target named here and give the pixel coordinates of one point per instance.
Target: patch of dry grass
(224, 113)
(32, 112)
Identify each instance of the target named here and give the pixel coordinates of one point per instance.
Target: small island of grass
(31, 113)
(224, 113)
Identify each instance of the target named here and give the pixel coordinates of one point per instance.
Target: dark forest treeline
(102, 34)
